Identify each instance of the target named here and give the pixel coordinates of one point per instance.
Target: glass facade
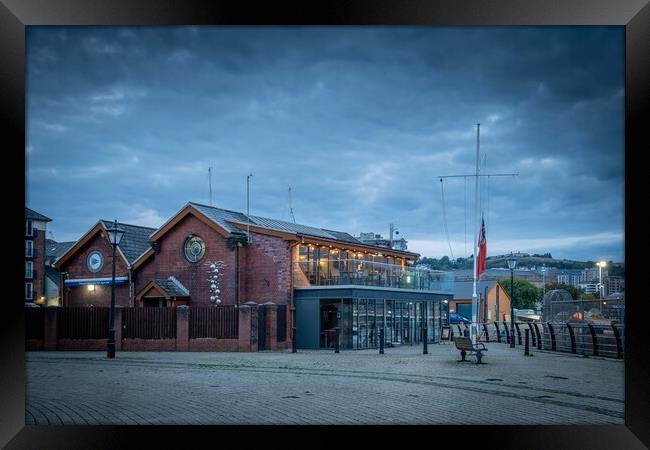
(323, 266)
(361, 319)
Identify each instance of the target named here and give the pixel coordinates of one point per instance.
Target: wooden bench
(464, 344)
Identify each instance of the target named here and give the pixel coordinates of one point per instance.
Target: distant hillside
(445, 263)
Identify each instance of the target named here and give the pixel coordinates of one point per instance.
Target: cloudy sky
(360, 122)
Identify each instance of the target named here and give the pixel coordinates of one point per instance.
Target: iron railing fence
(581, 338)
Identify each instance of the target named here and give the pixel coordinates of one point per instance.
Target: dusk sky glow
(123, 123)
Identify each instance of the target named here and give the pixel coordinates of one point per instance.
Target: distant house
(493, 300)
(35, 230)
(53, 250)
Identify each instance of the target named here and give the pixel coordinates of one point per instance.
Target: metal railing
(364, 273)
(580, 338)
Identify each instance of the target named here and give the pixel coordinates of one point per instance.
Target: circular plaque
(194, 248)
(95, 261)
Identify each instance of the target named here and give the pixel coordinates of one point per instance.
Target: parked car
(457, 318)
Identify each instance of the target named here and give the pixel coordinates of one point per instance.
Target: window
(29, 291)
(29, 230)
(29, 249)
(29, 269)
(194, 249)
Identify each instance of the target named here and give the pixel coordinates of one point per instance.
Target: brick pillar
(118, 327)
(244, 338)
(183, 328)
(271, 326)
(254, 330)
(49, 334)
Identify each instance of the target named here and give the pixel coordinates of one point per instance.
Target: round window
(194, 248)
(95, 261)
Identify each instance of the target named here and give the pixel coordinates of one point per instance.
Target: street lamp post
(115, 235)
(511, 265)
(600, 265)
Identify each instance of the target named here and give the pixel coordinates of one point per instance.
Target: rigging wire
(465, 206)
(444, 217)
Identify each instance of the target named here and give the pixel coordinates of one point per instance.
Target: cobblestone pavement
(403, 386)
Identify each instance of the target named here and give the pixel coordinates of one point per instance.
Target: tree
(526, 294)
(574, 291)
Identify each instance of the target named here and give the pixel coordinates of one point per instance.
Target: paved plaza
(320, 387)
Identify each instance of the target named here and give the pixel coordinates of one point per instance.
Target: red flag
(482, 251)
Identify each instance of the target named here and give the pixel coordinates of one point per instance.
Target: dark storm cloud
(124, 122)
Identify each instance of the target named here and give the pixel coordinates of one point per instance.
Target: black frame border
(15, 15)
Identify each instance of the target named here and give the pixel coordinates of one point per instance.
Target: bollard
(381, 341)
(526, 346)
(425, 351)
(293, 340)
(336, 342)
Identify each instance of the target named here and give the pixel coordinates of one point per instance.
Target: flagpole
(473, 328)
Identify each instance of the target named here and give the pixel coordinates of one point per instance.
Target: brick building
(86, 267)
(35, 231)
(330, 279)
(493, 300)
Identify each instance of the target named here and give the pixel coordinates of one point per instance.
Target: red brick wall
(213, 345)
(171, 261)
(77, 268)
(39, 265)
(266, 270)
(153, 345)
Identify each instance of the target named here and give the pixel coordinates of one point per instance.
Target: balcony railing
(340, 272)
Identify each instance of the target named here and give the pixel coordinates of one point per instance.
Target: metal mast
(474, 326)
(248, 211)
(210, 183)
(291, 207)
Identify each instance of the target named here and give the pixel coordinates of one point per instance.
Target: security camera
(396, 232)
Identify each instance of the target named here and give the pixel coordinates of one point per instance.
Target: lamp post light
(115, 235)
(600, 265)
(511, 265)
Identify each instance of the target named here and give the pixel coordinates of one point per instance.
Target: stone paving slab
(321, 387)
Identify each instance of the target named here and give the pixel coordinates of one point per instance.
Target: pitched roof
(33, 215)
(135, 240)
(222, 216)
(55, 249)
(465, 289)
(172, 287)
(52, 274)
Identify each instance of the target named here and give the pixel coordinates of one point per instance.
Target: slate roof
(222, 215)
(55, 249)
(135, 241)
(172, 287)
(464, 289)
(52, 274)
(33, 215)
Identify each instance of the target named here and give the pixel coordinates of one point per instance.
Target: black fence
(282, 323)
(581, 338)
(148, 323)
(34, 318)
(221, 322)
(82, 323)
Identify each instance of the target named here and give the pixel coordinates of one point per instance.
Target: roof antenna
(210, 183)
(291, 207)
(248, 201)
